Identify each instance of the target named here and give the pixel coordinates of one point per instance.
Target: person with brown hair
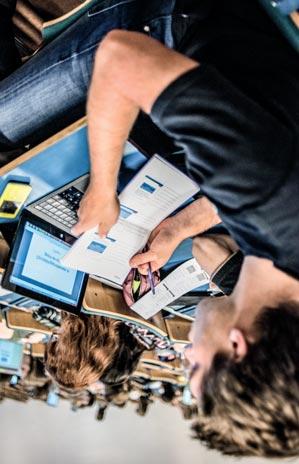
(248, 406)
(91, 348)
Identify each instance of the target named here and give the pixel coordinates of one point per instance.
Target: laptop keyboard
(63, 206)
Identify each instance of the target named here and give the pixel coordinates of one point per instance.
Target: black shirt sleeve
(233, 145)
(9, 5)
(227, 275)
(9, 58)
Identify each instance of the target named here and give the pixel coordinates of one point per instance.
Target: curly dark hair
(251, 408)
(91, 348)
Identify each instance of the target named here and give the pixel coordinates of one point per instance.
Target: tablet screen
(35, 266)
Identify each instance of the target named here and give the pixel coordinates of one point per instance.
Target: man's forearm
(196, 218)
(129, 74)
(110, 118)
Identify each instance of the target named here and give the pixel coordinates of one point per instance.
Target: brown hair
(251, 408)
(91, 348)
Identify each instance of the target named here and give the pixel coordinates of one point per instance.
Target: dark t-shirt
(8, 4)
(237, 118)
(228, 273)
(9, 59)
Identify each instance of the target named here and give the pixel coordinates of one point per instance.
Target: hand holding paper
(183, 279)
(162, 242)
(194, 219)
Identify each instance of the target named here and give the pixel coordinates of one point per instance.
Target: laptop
(11, 357)
(60, 207)
(42, 238)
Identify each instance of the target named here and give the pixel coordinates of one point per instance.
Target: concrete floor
(37, 434)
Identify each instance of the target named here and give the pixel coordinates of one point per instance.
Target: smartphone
(13, 198)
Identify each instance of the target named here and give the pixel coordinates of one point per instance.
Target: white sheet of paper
(183, 279)
(154, 193)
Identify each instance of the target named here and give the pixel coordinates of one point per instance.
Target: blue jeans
(49, 92)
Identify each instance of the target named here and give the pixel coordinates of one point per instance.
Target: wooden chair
(23, 320)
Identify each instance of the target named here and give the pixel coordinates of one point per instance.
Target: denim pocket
(159, 28)
(168, 29)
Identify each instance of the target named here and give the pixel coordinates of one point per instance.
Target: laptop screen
(11, 355)
(35, 269)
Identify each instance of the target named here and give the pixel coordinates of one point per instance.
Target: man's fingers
(143, 258)
(82, 226)
(103, 230)
(78, 229)
(104, 227)
(143, 269)
(96, 211)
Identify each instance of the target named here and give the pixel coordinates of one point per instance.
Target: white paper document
(183, 279)
(154, 193)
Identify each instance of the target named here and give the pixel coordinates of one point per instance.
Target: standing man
(230, 100)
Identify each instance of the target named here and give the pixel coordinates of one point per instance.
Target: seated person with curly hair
(91, 348)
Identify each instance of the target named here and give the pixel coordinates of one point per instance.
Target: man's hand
(192, 220)
(97, 207)
(162, 242)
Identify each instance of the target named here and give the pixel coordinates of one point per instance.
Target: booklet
(154, 193)
(183, 279)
